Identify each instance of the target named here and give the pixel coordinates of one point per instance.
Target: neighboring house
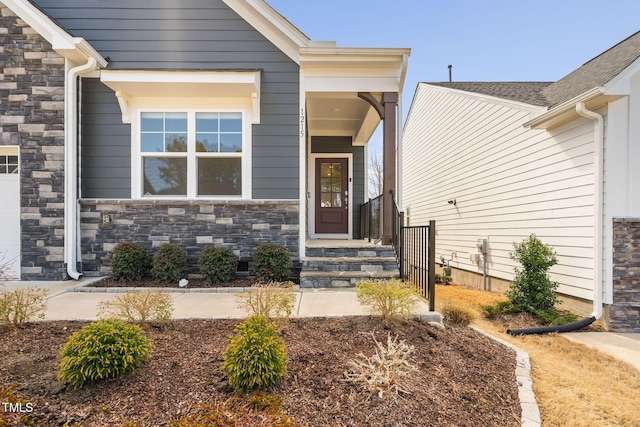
(499, 161)
(195, 122)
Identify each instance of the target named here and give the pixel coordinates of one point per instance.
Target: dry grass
(574, 385)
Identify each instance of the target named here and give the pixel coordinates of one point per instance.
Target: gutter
(71, 215)
(598, 122)
(566, 107)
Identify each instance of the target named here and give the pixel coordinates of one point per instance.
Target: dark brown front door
(332, 196)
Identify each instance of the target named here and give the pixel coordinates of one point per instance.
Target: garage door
(10, 211)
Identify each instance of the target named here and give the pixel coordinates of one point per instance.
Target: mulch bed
(463, 378)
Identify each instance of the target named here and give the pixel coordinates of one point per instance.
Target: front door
(332, 196)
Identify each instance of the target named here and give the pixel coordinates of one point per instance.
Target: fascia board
(272, 25)
(621, 84)
(75, 49)
(554, 116)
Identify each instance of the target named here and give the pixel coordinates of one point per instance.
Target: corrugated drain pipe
(598, 121)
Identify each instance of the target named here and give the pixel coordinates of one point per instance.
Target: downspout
(71, 167)
(598, 121)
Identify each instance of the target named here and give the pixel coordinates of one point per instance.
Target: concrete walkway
(71, 301)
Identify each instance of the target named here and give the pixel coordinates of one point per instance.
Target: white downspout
(71, 167)
(598, 196)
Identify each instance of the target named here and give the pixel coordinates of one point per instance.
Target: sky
(484, 40)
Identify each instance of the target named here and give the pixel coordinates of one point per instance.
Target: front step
(333, 267)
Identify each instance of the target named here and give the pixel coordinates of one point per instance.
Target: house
(198, 122)
(493, 162)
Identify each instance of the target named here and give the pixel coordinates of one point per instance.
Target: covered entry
(10, 212)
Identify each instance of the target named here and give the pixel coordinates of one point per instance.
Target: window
(192, 154)
(8, 164)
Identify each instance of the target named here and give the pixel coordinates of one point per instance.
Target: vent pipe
(450, 67)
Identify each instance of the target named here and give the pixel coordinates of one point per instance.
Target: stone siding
(195, 225)
(32, 116)
(624, 314)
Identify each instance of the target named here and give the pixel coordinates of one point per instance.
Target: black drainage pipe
(556, 328)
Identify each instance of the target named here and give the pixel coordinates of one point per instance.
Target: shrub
(272, 263)
(256, 357)
(21, 305)
(273, 300)
(240, 411)
(169, 264)
(531, 289)
(101, 350)
(141, 306)
(498, 309)
(390, 299)
(442, 279)
(382, 371)
(218, 265)
(130, 262)
(458, 314)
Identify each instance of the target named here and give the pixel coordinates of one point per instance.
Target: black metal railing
(371, 219)
(417, 261)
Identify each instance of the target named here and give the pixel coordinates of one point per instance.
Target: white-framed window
(191, 154)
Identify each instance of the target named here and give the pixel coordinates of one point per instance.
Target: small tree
(532, 290)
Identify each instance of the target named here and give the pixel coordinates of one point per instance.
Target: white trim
(302, 153)
(191, 155)
(132, 85)
(14, 271)
(312, 199)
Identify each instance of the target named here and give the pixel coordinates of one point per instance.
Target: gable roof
(527, 92)
(596, 72)
(593, 74)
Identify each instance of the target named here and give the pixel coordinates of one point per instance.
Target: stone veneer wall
(195, 225)
(624, 314)
(32, 116)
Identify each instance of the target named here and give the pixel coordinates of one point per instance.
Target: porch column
(390, 102)
(387, 112)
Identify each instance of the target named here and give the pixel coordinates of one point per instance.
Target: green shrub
(218, 265)
(458, 314)
(240, 411)
(169, 264)
(130, 262)
(391, 299)
(442, 279)
(21, 305)
(531, 289)
(101, 350)
(272, 263)
(500, 308)
(273, 300)
(256, 357)
(140, 306)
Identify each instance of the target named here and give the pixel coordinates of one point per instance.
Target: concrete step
(341, 279)
(363, 251)
(349, 264)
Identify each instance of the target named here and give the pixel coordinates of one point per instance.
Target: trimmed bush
(390, 299)
(256, 357)
(21, 305)
(218, 265)
(141, 306)
(169, 264)
(532, 290)
(272, 263)
(458, 314)
(101, 350)
(130, 262)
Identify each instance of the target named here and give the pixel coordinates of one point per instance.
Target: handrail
(371, 219)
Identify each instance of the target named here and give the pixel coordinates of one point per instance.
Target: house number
(302, 119)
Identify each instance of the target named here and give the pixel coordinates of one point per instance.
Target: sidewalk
(66, 303)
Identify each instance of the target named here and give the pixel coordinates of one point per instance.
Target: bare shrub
(273, 300)
(21, 305)
(391, 299)
(383, 371)
(144, 306)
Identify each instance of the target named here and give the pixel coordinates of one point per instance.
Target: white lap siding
(508, 182)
